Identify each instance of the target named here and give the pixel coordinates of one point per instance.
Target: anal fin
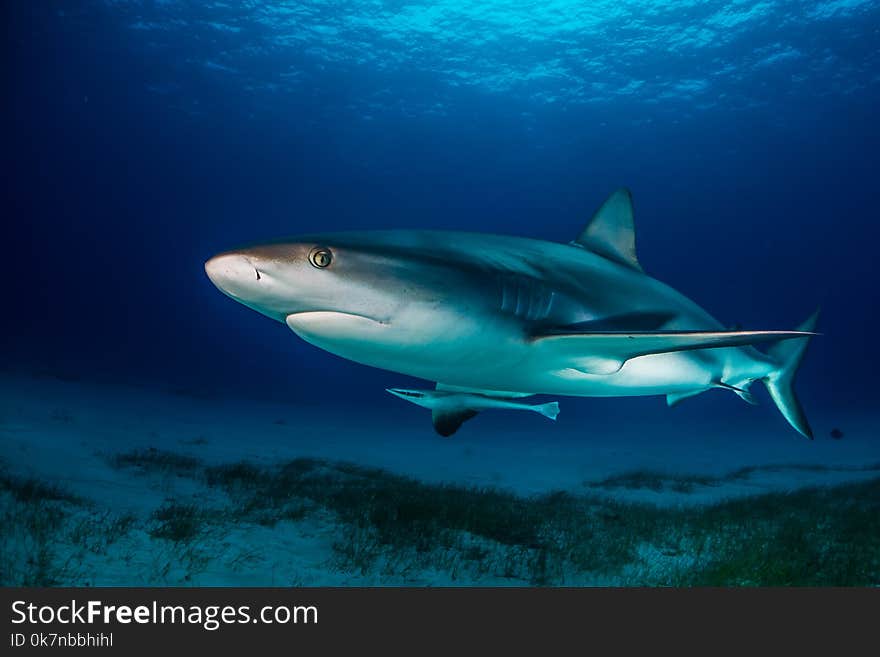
(744, 394)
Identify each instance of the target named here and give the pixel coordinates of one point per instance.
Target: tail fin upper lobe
(788, 355)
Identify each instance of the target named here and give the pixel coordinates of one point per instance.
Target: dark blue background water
(141, 138)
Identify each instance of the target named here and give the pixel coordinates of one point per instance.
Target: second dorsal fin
(611, 232)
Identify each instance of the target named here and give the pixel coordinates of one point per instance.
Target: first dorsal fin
(611, 232)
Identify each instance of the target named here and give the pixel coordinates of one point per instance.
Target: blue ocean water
(142, 137)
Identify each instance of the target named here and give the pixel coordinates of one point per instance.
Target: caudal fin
(788, 355)
(550, 409)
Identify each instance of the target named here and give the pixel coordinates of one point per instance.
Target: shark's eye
(320, 257)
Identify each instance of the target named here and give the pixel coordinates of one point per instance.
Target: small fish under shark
(492, 319)
(448, 407)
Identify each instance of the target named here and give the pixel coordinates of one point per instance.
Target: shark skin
(508, 317)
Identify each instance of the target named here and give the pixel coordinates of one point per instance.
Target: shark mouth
(332, 322)
(330, 314)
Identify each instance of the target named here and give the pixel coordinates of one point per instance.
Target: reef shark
(492, 317)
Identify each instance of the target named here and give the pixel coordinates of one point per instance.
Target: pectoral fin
(447, 423)
(640, 321)
(606, 352)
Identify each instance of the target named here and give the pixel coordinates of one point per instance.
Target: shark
(490, 319)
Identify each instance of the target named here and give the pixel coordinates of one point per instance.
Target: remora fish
(509, 316)
(448, 405)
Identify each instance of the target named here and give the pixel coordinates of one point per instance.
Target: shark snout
(233, 273)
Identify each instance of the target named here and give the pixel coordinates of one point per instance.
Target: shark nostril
(257, 271)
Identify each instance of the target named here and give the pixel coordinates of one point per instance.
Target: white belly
(500, 361)
(656, 374)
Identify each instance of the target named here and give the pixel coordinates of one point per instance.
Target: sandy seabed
(111, 484)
